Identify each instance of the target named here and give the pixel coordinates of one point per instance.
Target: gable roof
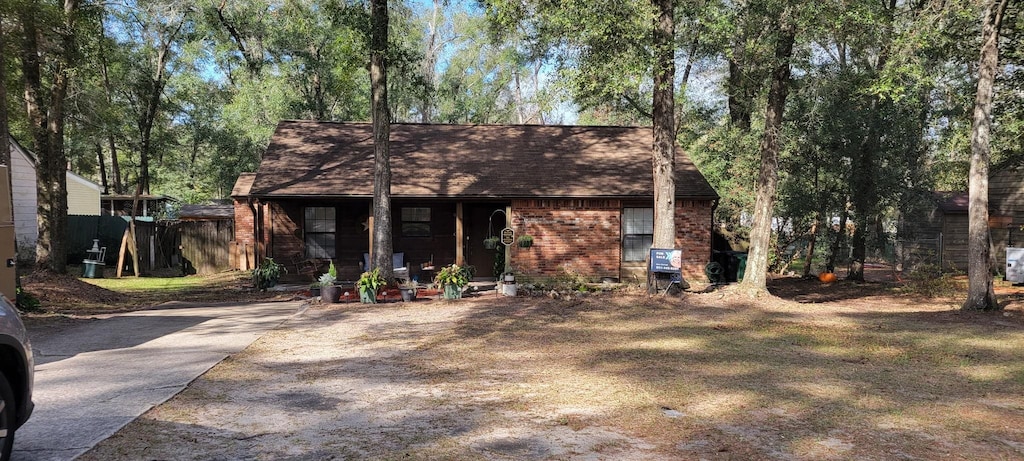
(200, 212)
(328, 159)
(952, 201)
(31, 159)
(243, 185)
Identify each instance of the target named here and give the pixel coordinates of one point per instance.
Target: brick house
(585, 194)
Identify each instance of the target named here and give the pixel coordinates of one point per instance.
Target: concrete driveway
(94, 376)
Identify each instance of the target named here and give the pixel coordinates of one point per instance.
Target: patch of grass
(71, 295)
(159, 284)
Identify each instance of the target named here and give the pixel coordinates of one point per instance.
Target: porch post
(369, 222)
(508, 248)
(460, 258)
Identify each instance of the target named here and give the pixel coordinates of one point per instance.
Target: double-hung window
(416, 222)
(637, 233)
(320, 226)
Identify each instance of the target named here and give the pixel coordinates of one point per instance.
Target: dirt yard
(841, 371)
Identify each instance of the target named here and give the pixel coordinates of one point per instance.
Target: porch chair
(398, 265)
(304, 266)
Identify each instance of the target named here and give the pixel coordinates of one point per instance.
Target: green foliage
(326, 280)
(267, 274)
(571, 279)
(499, 259)
(27, 302)
(371, 281)
(728, 158)
(454, 275)
(332, 271)
(930, 280)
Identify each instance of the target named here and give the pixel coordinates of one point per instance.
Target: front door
(483, 220)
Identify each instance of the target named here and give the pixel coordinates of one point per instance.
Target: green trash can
(741, 266)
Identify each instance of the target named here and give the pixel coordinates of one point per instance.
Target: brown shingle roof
(952, 202)
(206, 212)
(243, 184)
(336, 159)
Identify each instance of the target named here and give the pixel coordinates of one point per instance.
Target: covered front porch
(306, 235)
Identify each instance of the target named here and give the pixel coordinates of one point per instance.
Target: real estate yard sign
(664, 261)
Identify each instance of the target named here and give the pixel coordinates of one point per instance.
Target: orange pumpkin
(827, 277)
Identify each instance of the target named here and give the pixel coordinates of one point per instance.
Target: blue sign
(666, 260)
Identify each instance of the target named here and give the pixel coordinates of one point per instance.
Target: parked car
(16, 375)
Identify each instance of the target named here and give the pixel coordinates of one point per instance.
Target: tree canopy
(179, 98)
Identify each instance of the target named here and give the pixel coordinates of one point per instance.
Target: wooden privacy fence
(156, 242)
(206, 245)
(198, 247)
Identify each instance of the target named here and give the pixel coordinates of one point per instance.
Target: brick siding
(244, 221)
(575, 235)
(584, 236)
(693, 236)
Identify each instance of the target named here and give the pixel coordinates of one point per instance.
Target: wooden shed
(1006, 211)
(937, 234)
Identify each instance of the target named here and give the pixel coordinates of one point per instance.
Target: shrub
(929, 280)
(267, 274)
(453, 274)
(371, 281)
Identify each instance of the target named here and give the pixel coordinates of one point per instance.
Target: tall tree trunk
(148, 118)
(980, 293)
(115, 168)
(837, 243)
(812, 238)
(663, 121)
(47, 126)
(382, 246)
(866, 164)
(865, 202)
(432, 50)
(740, 101)
(102, 163)
(755, 277)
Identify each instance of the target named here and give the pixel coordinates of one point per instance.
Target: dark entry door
(481, 220)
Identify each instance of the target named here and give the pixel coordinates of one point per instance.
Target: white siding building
(83, 199)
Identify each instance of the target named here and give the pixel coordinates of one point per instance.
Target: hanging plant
(491, 243)
(525, 241)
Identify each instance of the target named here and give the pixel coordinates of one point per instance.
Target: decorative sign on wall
(508, 236)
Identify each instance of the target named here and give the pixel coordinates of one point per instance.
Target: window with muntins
(637, 233)
(320, 224)
(416, 222)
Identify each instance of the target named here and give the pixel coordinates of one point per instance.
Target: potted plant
(407, 290)
(329, 292)
(369, 284)
(452, 278)
(525, 241)
(491, 243)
